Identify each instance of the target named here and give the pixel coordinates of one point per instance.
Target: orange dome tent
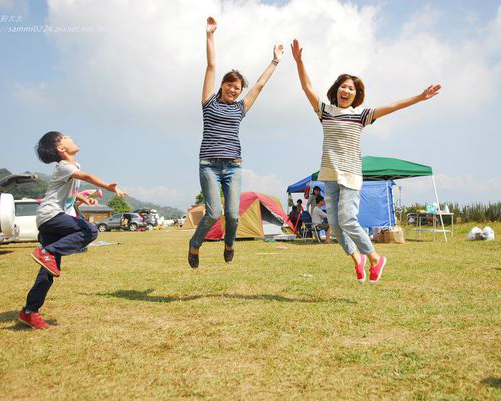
(194, 216)
(260, 216)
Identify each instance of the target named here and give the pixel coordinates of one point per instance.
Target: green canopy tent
(387, 168)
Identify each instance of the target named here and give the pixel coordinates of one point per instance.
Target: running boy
(61, 234)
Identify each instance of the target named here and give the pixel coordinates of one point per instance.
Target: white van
(25, 220)
(7, 209)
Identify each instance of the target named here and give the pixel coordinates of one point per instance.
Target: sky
(124, 79)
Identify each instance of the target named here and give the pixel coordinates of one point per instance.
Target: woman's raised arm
(210, 71)
(303, 76)
(253, 93)
(428, 93)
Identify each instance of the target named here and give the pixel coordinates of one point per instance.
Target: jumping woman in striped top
(341, 167)
(220, 156)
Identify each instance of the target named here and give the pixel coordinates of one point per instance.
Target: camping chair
(309, 227)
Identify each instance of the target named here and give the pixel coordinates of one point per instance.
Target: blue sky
(124, 79)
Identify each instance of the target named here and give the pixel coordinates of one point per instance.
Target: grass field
(282, 322)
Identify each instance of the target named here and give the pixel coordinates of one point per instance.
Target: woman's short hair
(359, 86)
(47, 147)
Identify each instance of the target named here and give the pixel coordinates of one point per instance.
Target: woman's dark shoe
(192, 258)
(228, 255)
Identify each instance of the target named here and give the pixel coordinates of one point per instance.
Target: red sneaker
(47, 260)
(377, 270)
(360, 269)
(33, 319)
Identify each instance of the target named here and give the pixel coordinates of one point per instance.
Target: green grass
(134, 322)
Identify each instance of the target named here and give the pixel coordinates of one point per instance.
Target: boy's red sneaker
(47, 260)
(360, 269)
(33, 319)
(377, 270)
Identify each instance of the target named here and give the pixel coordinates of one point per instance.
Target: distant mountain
(4, 172)
(37, 190)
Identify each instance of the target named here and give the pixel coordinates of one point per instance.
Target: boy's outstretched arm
(85, 199)
(428, 93)
(92, 179)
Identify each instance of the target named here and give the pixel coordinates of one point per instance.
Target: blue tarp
(376, 201)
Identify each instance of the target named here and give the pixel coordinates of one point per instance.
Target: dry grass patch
(132, 321)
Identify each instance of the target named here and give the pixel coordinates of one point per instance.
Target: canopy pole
(388, 203)
(438, 207)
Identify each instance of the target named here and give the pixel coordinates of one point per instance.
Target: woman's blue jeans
(228, 174)
(342, 211)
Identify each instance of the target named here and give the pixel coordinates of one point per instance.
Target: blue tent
(376, 201)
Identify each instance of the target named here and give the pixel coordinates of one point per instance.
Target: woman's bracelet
(274, 62)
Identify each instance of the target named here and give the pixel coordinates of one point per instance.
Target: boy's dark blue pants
(61, 235)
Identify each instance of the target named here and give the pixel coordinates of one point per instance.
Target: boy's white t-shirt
(61, 192)
(318, 215)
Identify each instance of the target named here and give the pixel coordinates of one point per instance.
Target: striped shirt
(341, 155)
(221, 129)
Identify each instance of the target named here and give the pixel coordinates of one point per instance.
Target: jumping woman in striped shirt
(341, 167)
(220, 156)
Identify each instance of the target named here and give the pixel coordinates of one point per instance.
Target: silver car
(122, 221)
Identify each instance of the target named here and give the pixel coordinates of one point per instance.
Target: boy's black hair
(320, 198)
(299, 201)
(47, 147)
(316, 187)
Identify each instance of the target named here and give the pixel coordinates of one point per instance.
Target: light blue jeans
(342, 211)
(228, 174)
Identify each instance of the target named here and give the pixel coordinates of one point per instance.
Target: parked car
(25, 220)
(7, 215)
(8, 228)
(122, 221)
(150, 221)
(150, 216)
(181, 220)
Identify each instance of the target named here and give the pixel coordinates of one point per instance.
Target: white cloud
(163, 195)
(14, 6)
(493, 33)
(269, 184)
(141, 65)
(463, 189)
(33, 95)
(423, 19)
(160, 195)
(149, 60)
(468, 183)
